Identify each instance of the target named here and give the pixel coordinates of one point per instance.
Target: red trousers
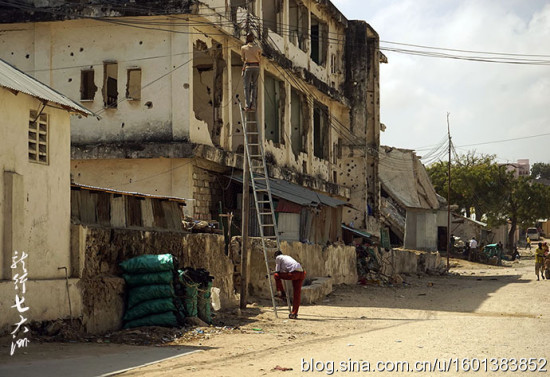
(297, 278)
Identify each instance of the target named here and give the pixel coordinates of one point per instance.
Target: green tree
(482, 187)
(525, 203)
(477, 185)
(540, 170)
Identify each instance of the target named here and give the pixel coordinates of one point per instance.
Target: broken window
(297, 121)
(239, 16)
(110, 84)
(272, 13)
(320, 131)
(133, 84)
(274, 91)
(87, 85)
(38, 137)
(333, 64)
(319, 41)
(298, 24)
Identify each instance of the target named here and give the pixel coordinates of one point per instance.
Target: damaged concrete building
(410, 205)
(162, 79)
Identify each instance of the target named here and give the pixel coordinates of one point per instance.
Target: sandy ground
(483, 312)
(474, 317)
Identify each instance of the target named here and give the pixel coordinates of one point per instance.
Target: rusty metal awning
(296, 194)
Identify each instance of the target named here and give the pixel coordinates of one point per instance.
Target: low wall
(403, 261)
(336, 262)
(98, 251)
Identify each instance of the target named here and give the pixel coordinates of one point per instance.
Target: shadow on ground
(431, 293)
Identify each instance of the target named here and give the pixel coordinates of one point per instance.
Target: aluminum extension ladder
(259, 178)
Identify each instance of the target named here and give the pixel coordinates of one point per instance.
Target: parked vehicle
(533, 234)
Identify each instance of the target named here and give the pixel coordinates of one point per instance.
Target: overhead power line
(503, 140)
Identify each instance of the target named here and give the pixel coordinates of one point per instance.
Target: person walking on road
(250, 54)
(473, 249)
(528, 243)
(287, 268)
(539, 261)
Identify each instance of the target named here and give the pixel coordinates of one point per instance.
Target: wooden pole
(449, 197)
(244, 236)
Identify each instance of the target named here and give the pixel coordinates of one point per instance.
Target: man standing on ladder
(286, 268)
(251, 54)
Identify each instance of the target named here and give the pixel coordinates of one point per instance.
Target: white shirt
(285, 263)
(473, 244)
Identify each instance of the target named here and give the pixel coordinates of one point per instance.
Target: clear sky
(487, 102)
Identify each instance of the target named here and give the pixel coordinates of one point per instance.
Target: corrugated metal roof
(16, 80)
(78, 186)
(297, 194)
(357, 231)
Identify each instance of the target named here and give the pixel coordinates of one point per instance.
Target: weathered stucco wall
(34, 212)
(159, 176)
(402, 261)
(47, 299)
(163, 110)
(34, 197)
(337, 262)
(101, 250)
(421, 230)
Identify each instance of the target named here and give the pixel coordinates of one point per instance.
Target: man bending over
(286, 268)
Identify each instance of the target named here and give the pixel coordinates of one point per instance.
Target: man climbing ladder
(251, 54)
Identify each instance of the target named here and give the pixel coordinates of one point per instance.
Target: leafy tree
(525, 203)
(477, 185)
(484, 188)
(540, 170)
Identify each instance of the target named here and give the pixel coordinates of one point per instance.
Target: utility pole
(449, 196)
(244, 236)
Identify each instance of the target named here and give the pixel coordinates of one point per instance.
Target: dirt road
(476, 320)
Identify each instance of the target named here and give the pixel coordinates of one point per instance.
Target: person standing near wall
(250, 54)
(539, 261)
(473, 249)
(286, 268)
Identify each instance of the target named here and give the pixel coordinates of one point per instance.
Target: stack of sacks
(151, 293)
(195, 290)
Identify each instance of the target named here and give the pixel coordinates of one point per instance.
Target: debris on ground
(278, 367)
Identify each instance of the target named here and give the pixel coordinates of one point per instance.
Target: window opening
(87, 85)
(38, 137)
(320, 131)
(110, 85)
(133, 86)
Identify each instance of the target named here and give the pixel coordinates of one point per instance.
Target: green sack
(204, 303)
(191, 291)
(136, 280)
(167, 319)
(149, 292)
(148, 263)
(146, 308)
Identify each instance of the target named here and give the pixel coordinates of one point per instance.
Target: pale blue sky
(487, 101)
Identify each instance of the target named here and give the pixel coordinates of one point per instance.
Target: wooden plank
(75, 206)
(158, 213)
(177, 215)
(133, 211)
(147, 217)
(118, 211)
(88, 207)
(167, 207)
(104, 208)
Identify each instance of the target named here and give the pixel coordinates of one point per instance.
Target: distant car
(533, 234)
